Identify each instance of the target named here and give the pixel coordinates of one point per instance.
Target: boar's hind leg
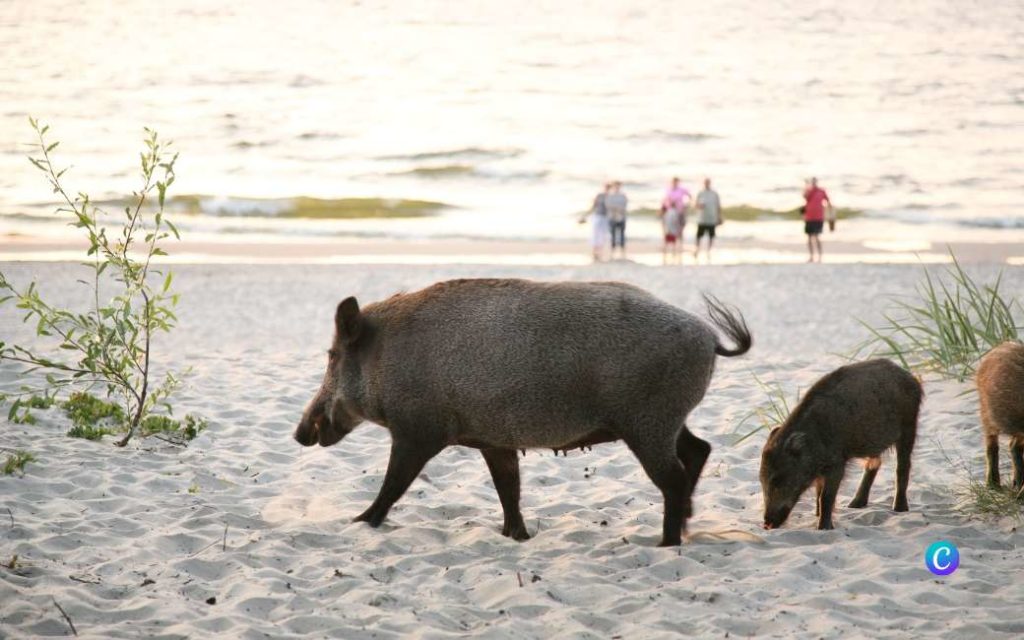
(693, 453)
(1017, 455)
(860, 499)
(904, 447)
(407, 460)
(659, 460)
(992, 460)
(504, 466)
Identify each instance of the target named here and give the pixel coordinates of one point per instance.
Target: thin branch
(66, 616)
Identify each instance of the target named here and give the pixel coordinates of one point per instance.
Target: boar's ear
(795, 443)
(347, 320)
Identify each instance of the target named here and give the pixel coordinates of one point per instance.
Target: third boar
(857, 411)
(1000, 380)
(502, 365)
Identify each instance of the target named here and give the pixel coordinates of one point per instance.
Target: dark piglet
(1000, 380)
(503, 365)
(856, 411)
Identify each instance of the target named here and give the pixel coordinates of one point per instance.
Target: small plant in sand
(974, 496)
(16, 462)
(769, 414)
(947, 327)
(109, 345)
(21, 409)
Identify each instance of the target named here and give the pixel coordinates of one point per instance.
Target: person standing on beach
(814, 216)
(673, 219)
(615, 203)
(709, 216)
(599, 224)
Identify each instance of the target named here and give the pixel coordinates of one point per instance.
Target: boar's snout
(319, 426)
(308, 432)
(777, 516)
(305, 434)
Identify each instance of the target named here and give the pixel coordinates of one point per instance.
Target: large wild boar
(1000, 380)
(503, 365)
(857, 411)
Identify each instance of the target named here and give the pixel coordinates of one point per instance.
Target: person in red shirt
(814, 216)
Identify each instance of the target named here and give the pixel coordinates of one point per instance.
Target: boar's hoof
(858, 503)
(901, 506)
(825, 526)
(673, 541)
(370, 517)
(516, 532)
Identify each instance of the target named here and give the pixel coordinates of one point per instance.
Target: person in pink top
(673, 219)
(814, 216)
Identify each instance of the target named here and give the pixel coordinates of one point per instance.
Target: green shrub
(20, 411)
(16, 462)
(109, 345)
(184, 430)
(88, 432)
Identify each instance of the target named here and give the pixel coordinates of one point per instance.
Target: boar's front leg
(407, 460)
(504, 466)
(827, 502)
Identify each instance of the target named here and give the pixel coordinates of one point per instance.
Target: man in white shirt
(709, 216)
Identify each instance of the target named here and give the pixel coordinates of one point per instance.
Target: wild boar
(856, 411)
(1000, 380)
(504, 365)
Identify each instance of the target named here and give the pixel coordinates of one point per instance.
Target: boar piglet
(857, 411)
(1000, 380)
(503, 365)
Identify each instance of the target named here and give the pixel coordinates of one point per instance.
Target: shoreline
(727, 251)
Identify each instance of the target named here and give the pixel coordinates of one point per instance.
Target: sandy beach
(246, 534)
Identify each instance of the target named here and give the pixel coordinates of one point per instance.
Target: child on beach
(673, 220)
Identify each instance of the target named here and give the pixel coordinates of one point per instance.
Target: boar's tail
(729, 321)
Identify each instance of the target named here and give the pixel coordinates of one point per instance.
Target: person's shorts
(670, 237)
(813, 227)
(708, 229)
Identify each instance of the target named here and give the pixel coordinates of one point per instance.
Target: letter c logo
(942, 558)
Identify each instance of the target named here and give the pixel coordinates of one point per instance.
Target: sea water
(514, 113)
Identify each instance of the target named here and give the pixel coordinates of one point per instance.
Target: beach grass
(771, 413)
(947, 327)
(978, 497)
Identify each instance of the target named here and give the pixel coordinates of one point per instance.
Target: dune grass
(946, 327)
(974, 497)
(769, 414)
(1001, 502)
